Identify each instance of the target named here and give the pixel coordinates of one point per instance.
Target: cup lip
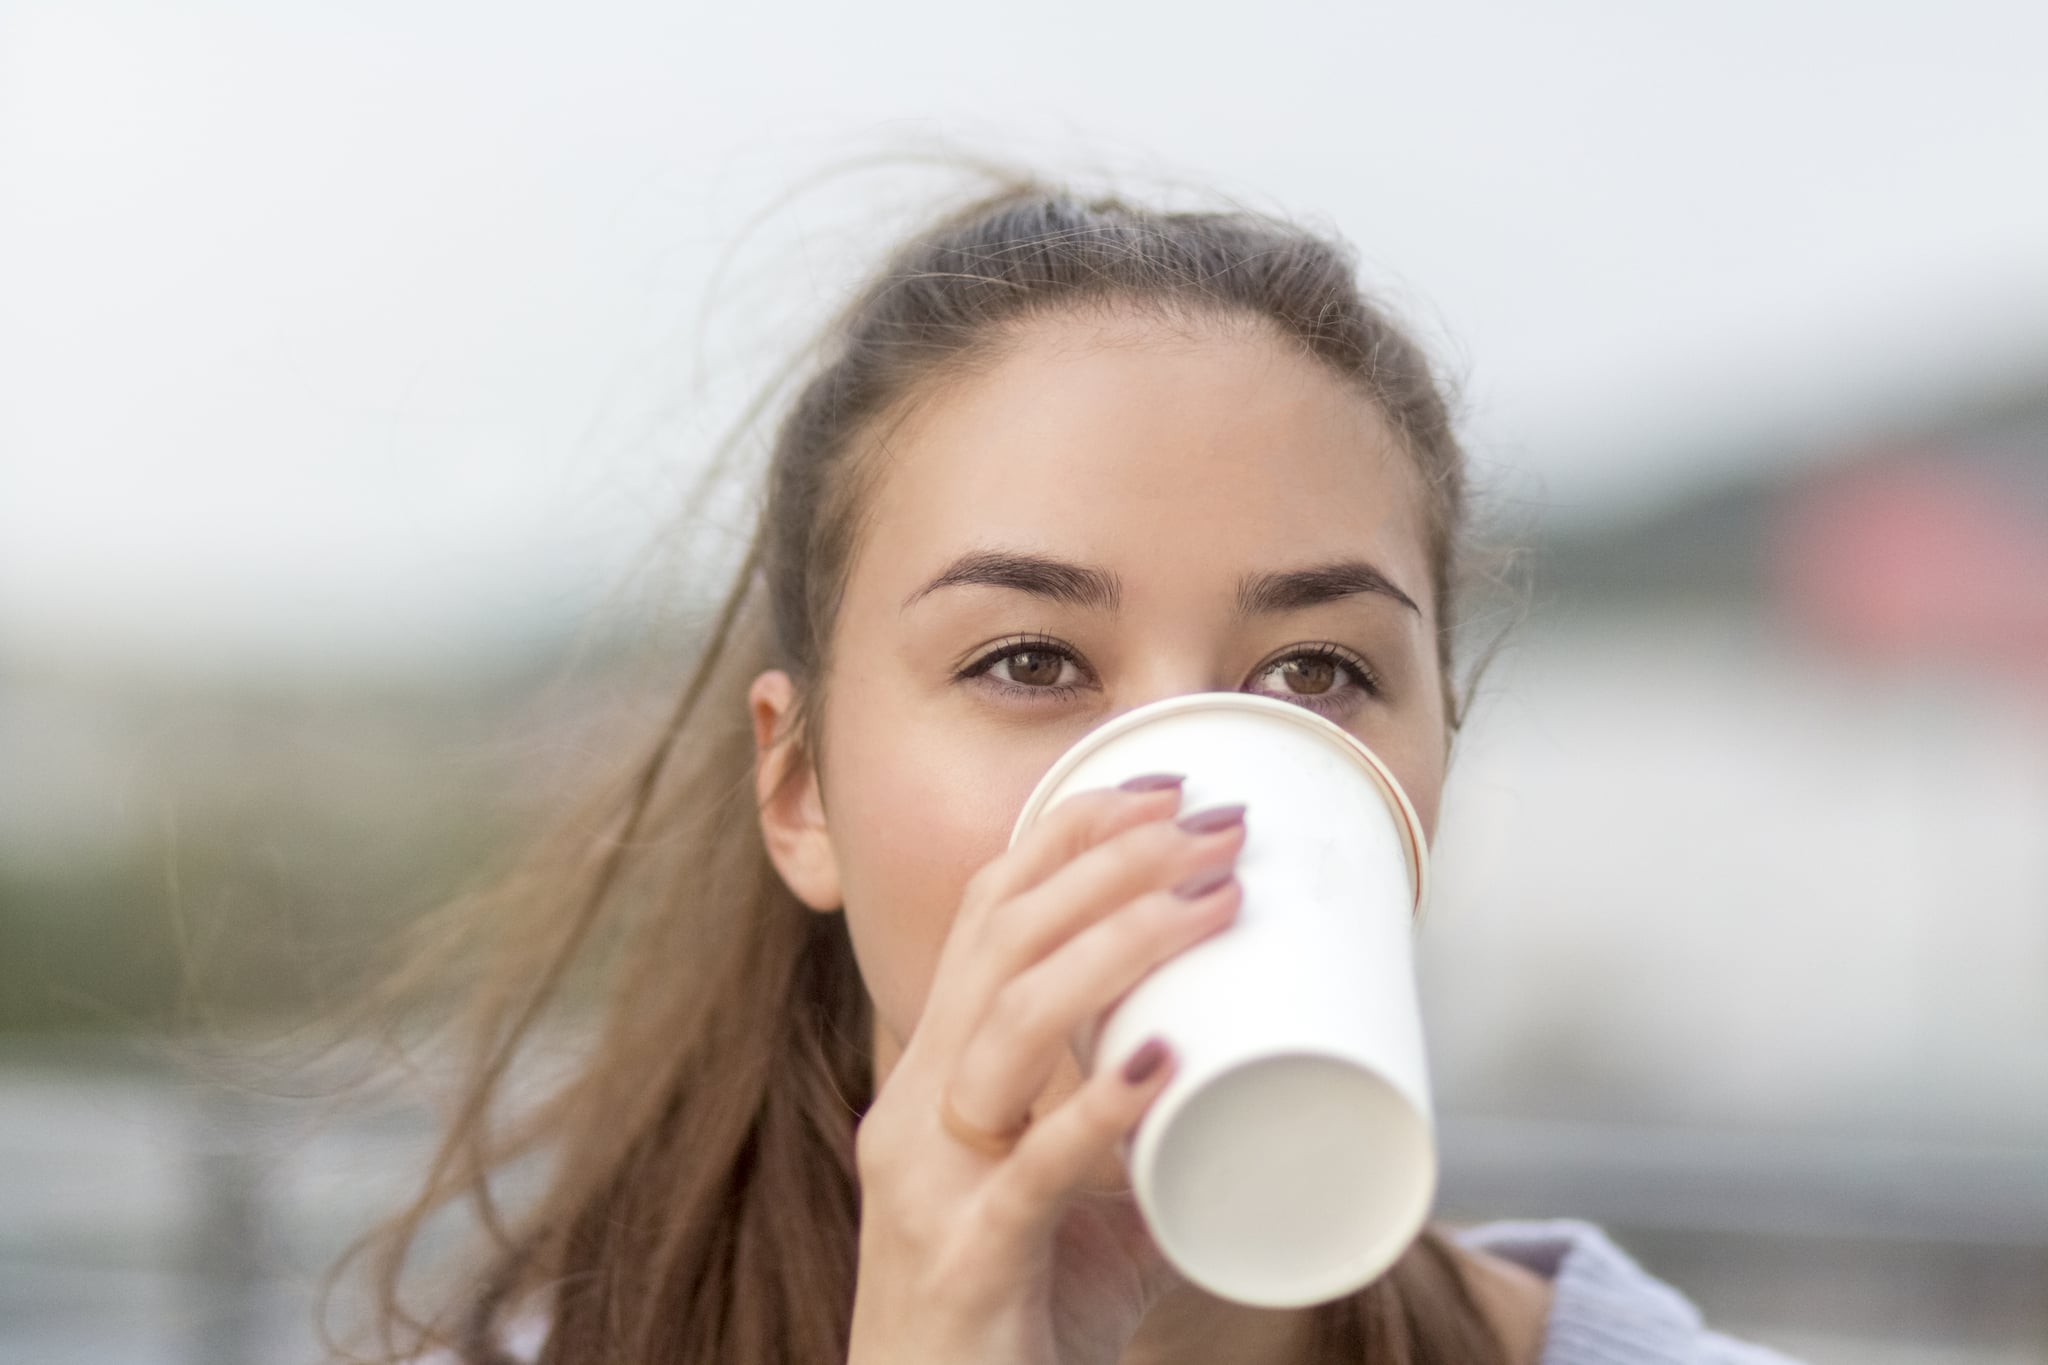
(1411, 825)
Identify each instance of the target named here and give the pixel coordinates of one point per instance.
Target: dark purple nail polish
(1152, 782)
(1144, 1062)
(1202, 883)
(1211, 820)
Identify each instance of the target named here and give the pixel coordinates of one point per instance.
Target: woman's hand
(988, 1256)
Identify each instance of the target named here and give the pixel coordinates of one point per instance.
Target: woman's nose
(1184, 683)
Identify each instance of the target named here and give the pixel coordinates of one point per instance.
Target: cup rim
(1412, 840)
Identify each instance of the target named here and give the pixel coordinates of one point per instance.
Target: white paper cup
(1292, 1157)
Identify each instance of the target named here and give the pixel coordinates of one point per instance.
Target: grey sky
(335, 334)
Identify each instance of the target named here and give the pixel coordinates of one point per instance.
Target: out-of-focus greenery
(181, 856)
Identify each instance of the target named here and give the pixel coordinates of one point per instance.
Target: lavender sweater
(1605, 1309)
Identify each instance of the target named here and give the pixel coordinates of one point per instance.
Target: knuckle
(1001, 911)
(1020, 1008)
(983, 883)
(1009, 934)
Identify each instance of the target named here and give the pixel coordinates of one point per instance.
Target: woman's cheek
(1417, 762)
(919, 837)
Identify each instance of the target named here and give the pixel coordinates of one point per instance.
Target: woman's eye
(1317, 676)
(1325, 678)
(1032, 668)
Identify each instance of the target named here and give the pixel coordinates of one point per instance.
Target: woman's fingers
(1028, 1191)
(1136, 849)
(970, 969)
(1047, 935)
(1151, 855)
(1021, 1038)
(1064, 832)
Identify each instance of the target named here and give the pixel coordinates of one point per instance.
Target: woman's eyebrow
(1096, 589)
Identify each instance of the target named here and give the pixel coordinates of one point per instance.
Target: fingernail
(1144, 1062)
(1202, 883)
(1211, 820)
(1152, 782)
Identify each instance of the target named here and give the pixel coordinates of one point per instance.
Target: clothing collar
(1605, 1306)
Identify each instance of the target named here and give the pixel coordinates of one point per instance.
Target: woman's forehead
(1204, 454)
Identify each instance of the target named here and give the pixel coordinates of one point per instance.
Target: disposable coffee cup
(1292, 1158)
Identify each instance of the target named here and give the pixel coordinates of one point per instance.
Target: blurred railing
(153, 1221)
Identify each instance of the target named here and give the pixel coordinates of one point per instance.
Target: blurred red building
(1918, 556)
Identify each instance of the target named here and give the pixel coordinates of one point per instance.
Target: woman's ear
(793, 817)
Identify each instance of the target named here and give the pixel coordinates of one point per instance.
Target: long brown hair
(700, 1203)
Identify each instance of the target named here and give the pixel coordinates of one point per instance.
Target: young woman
(830, 1112)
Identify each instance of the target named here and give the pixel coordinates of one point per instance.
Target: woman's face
(1063, 537)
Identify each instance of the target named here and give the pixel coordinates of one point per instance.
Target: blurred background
(351, 358)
